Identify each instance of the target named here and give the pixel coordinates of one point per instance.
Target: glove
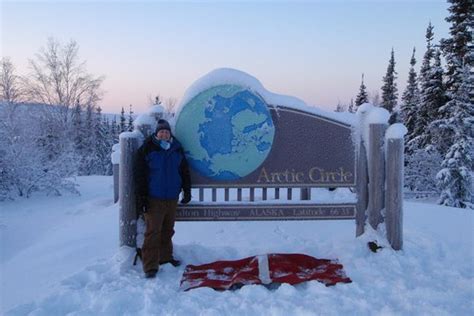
(142, 204)
(186, 198)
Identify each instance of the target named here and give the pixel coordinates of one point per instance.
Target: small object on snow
(373, 246)
(151, 274)
(174, 262)
(276, 269)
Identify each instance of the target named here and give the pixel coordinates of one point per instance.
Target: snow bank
(232, 76)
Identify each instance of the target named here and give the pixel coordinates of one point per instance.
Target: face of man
(163, 134)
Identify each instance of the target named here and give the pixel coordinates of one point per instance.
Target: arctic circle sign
(227, 131)
(237, 134)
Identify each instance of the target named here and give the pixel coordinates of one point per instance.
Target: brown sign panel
(308, 150)
(254, 212)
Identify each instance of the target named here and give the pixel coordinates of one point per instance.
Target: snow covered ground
(60, 256)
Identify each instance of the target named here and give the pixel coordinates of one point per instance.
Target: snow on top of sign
(397, 130)
(223, 76)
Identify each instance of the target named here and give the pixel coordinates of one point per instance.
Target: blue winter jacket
(160, 173)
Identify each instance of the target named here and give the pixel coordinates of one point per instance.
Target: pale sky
(313, 50)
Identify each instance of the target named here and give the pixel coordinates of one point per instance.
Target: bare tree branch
(59, 78)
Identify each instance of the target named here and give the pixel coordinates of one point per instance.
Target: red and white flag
(263, 269)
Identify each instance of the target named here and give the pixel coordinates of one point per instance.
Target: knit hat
(162, 124)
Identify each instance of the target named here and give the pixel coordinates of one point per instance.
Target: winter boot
(174, 262)
(150, 274)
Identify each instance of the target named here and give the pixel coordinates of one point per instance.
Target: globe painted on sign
(226, 131)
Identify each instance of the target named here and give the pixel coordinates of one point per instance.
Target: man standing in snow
(161, 172)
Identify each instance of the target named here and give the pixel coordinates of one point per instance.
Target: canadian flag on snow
(263, 269)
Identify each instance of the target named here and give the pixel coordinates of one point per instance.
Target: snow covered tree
(410, 101)
(59, 78)
(43, 142)
(458, 48)
(362, 97)
(78, 131)
(459, 55)
(114, 131)
(130, 119)
(103, 145)
(425, 83)
(122, 122)
(455, 180)
(10, 84)
(10, 95)
(432, 97)
(389, 88)
(47, 158)
(428, 56)
(421, 167)
(87, 159)
(352, 108)
(340, 107)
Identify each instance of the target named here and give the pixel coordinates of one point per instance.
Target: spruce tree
(410, 101)
(340, 107)
(427, 144)
(459, 54)
(455, 180)
(77, 124)
(103, 146)
(86, 166)
(428, 56)
(457, 49)
(362, 97)
(432, 98)
(352, 108)
(130, 119)
(114, 132)
(421, 135)
(389, 88)
(122, 122)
